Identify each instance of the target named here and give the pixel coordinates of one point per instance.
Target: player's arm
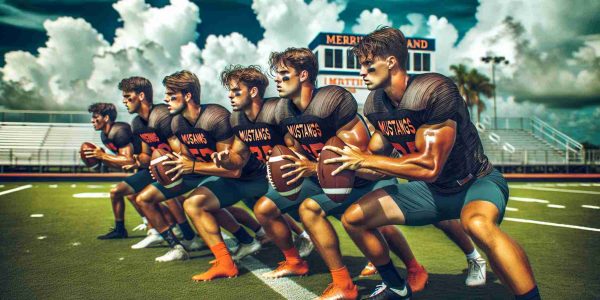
(234, 158)
(378, 145)
(433, 142)
(123, 157)
(186, 165)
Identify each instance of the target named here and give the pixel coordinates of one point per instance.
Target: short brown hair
(298, 58)
(185, 82)
(384, 41)
(137, 84)
(251, 76)
(104, 109)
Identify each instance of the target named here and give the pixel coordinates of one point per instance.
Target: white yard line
(511, 209)
(556, 206)
(23, 187)
(591, 206)
(554, 190)
(552, 224)
(283, 286)
(523, 199)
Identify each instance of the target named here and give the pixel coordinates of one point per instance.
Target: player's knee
(117, 192)
(477, 226)
(387, 230)
(441, 224)
(353, 217)
(265, 208)
(144, 199)
(309, 209)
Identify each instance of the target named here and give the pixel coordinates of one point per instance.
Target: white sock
(261, 232)
(473, 255)
(153, 231)
(145, 220)
(304, 234)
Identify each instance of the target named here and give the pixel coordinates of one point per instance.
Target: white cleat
(176, 253)
(304, 245)
(153, 239)
(193, 244)
(246, 249)
(476, 275)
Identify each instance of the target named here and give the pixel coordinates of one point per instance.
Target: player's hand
(350, 156)
(94, 153)
(219, 158)
(182, 165)
(301, 167)
(269, 154)
(136, 164)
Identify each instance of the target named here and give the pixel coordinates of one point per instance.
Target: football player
(424, 130)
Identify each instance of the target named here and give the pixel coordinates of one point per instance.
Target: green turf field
(57, 256)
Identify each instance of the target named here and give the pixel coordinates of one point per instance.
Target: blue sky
(554, 71)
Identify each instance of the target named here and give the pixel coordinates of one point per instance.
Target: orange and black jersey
(119, 136)
(261, 134)
(431, 99)
(330, 109)
(157, 130)
(202, 136)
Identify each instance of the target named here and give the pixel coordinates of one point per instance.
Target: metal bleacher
(44, 144)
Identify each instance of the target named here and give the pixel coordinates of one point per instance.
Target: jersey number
(261, 152)
(410, 145)
(202, 154)
(313, 149)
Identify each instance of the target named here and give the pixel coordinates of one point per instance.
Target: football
(158, 169)
(337, 187)
(91, 162)
(274, 173)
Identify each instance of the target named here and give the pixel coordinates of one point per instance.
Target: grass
(70, 263)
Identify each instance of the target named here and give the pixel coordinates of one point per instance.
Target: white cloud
(370, 20)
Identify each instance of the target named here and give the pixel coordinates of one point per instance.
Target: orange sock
(221, 253)
(412, 264)
(292, 255)
(341, 277)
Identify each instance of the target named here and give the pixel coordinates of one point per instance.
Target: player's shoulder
(214, 108)
(158, 113)
(213, 115)
(328, 98)
(375, 102)
(122, 126)
(425, 88)
(137, 123)
(332, 93)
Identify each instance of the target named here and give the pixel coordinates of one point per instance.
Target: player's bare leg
(509, 260)
(302, 242)
(148, 200)
(117, 195)
(246, 219)
(476, 264)
(417, 276)
(246, 244)
(327, 243)
(278, 229)
(200, 206)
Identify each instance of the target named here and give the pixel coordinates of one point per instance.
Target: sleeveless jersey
(119, 136)
(261, 134)
(431, 99)
(157, 130)
(201, 137)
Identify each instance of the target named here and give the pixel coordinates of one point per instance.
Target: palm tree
(460, 77)
(478, 84)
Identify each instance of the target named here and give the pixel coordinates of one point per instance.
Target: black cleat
(114, 234)
(384, 292)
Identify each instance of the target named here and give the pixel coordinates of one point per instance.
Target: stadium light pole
(493, 60)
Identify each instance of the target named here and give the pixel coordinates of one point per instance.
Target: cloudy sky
(66, 54)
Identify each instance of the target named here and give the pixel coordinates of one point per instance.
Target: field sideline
(57, 255)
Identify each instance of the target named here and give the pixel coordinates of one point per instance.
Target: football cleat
(114, 234)
(368, 270)
(417, 278)
(218, 270)
(383, 292)
(288, 269)
(304, 245)
(246, 249)
(152, 239)
(334, 292)
(193, 244)
(476, 275)
(175, 253)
